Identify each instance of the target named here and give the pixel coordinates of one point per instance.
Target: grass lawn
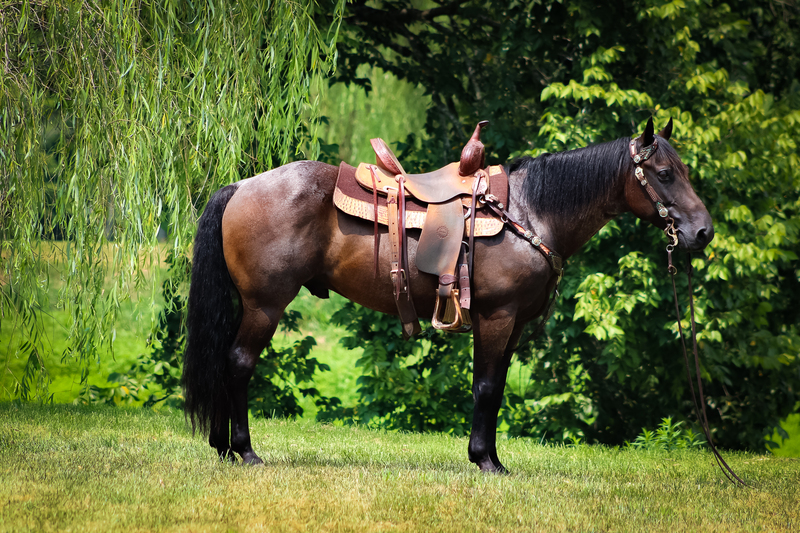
(67, 468)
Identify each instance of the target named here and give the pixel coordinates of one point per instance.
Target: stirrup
(454, 319)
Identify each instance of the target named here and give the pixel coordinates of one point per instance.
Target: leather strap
(376, 243)
(555, 261)
(464, 298)
(394, 238)
(401, 203)
(479, 175)
(399, 267)
(639, 158)
(699, 407)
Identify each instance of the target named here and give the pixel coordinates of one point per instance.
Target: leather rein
(699, 407)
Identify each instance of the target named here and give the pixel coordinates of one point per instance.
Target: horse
(263, 238)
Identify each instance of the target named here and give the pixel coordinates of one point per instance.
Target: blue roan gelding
(260, 240)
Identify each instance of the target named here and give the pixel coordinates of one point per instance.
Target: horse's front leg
(494, 339)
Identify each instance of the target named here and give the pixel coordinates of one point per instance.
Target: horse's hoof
(491, 467)
(252, 459)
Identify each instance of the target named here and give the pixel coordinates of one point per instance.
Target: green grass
(101, 469)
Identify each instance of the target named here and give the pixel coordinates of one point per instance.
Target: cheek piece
(638, 159)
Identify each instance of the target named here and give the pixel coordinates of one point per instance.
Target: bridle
(639, 159)
(699, 407)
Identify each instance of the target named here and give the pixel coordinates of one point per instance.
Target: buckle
(399, 283)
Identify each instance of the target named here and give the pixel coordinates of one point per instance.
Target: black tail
(212, 321)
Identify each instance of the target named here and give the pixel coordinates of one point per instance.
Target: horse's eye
(665, 174)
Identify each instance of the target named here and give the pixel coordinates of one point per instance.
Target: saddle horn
(473, 156)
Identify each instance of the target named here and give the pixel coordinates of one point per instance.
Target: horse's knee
(486, 391)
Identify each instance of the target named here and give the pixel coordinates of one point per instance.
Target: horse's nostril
(704, 236)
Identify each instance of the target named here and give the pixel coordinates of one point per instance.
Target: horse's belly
(350, 268)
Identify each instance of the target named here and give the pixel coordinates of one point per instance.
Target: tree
(553, 76)
(120, 117)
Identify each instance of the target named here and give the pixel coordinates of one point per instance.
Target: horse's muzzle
(697, 237)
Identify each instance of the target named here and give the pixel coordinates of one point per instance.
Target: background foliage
(118, 118)
(145, 110)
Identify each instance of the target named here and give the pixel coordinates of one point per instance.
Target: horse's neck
(568, 232)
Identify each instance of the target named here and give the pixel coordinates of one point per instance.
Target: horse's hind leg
(219, 433)
(255, 332)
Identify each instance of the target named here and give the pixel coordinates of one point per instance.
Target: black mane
(565, 182)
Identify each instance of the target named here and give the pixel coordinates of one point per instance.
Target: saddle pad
(355, 200)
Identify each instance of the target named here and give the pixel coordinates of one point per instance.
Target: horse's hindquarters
(274, 232)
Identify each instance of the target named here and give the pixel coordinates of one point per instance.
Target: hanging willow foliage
(120, 117)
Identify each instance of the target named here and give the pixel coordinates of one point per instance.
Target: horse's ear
(667, 131)
(648, 136)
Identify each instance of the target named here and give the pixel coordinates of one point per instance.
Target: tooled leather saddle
(445, 205)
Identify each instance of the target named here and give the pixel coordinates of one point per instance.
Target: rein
(699, 407)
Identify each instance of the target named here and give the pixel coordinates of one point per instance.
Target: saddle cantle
(443, 204)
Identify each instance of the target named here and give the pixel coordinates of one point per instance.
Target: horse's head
(664, 171)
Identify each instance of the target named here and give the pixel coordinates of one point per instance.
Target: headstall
(638, 159)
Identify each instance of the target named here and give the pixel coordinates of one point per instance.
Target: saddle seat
(434, 187)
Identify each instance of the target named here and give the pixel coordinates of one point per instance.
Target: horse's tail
(212, 320)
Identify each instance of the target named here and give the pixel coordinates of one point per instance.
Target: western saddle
(442, 250)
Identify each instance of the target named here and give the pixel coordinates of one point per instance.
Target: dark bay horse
(261, 239)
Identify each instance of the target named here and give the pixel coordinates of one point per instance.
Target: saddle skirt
(353, 195)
